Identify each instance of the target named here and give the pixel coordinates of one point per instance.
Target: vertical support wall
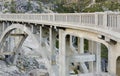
(81, 51)
(50, 42)
(40, 42)
(9, 40)
(62, 54)
(98, 57)
(92, 51)
(80, 45)
(6, 43)
(112, 59)
(95, 48)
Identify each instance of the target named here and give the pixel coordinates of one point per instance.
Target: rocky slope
(24, 6)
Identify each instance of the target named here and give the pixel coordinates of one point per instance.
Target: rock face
(25, 66)
(23, 6)
(38, 72)
(6, 70)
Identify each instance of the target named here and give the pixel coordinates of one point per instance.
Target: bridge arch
(86, 35)
(27, 31)
(24, 29)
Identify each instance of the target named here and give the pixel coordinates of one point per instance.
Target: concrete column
(71, 40)
(112, 59)
(9, 39)
(68, 54)
(54, 33)
(40, 38)
(62, 54)
(91, 50)
(32, 28)
(3, 28)
(95, 48)
(51, 48)
(80, 45)
(81, 51)
(98, 57)
(52, 42)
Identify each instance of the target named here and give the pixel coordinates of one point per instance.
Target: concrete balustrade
(100, 19)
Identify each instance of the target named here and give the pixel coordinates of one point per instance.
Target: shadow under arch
(118, 66)
(104, 58)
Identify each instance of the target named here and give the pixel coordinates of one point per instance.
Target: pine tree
(13, 7)
(29, 6)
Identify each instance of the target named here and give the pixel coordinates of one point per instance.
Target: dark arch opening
(104, 58)
(118, 66)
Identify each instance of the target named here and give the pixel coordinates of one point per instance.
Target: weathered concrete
(97, 28)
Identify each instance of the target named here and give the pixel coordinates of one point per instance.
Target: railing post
(41, 17)
(105, 19)
(66, 18)
(96, 19)
(53, 17)
(79, 19)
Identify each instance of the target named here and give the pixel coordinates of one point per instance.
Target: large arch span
(39, 51)
(24, 29)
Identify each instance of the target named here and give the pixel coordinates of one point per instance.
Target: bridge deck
(102, 21)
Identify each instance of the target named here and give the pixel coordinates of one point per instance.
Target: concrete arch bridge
(61, 41)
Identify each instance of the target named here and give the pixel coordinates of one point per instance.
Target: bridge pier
(112, 58)
(52, 44)
(40, 37)
(81, 51)
(98, 57)
(3, 28)
(63, 69)
(92, 51)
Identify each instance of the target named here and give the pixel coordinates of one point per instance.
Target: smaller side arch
(87, 35)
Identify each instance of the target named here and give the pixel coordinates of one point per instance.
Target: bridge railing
(105, 20)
